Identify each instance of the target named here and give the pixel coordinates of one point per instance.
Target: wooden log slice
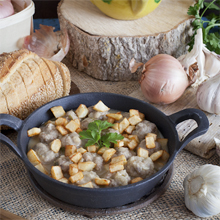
(103, 47)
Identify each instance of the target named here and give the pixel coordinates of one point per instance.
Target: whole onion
(163, 79)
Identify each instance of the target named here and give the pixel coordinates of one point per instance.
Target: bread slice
(42, 96)
(48, 79)
(11, 98)
(58, 81)
(3, 103)
(20, 88)
(65, 73)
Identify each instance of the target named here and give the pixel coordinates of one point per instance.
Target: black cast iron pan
(103, 197)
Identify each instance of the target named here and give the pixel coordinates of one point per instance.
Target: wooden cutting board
(103, 47)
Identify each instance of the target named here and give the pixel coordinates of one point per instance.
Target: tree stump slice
(103, 47)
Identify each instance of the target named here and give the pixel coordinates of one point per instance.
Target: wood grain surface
(103, 47)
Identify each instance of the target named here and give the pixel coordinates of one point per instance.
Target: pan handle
(12, 122)
(190, 113)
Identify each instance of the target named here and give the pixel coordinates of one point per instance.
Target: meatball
(124, 151)
(64, 162)
(98, 115)
(85, 122)
(71, 139)
(48, 133)
(121, 178)
(143, 128)
(88, 176)
(97, 159)
(45, 154)
(140, 167)
(150, 150)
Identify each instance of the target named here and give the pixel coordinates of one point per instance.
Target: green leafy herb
(107, 1)
(210, 38)
(94, 136)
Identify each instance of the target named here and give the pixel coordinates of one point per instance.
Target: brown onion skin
(161, 86)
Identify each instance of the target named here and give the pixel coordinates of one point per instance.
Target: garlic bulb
(217, 145)
(208, 62)
(208, 95)
(202, 191)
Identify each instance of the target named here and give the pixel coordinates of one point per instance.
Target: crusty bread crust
(65, 73)
(28, 81)
(58, 81)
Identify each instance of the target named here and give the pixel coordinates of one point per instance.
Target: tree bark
(103, 47)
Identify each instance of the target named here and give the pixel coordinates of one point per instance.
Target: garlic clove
(208, 95)
(47, 43)
(202, 190)
(217, 145)
(212, 62)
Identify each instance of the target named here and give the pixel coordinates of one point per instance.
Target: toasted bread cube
(120, 143)
(150, 142)
(76, 157)
(41, 168)
(64, 180)
(133, 112)
(56, 172)
(82, 111)
(142, 116)
(72, 126)
(101, 107)
(58, 111)
(102, 150)
(70, 150)
(135, 180)
(119, 158)
(126, 141)
(91, 148)
(116, 116)
(135, 119)
(76, 177)
(62, 130)
(108, 154)
(158, 165)
(142, 153)
(133, 137)
(61, 121)
(88, 185)
(114, 167)
(73, 169)
(129, 129)
(81, 150)
(86, 166)
(115, 126)
(78, 130)
(123, 125)
(165, 156)
(111, 120)
(49, 122)
(33, 132)
(33, 158)
(163, 142)
(102, 182)
(152, 135)
(132, 144)
(155, 156)
(55, 145)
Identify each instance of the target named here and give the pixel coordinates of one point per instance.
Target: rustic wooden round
(90, 212)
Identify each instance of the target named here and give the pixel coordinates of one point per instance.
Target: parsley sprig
(211, 38)
(94, 134)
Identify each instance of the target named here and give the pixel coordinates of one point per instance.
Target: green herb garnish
(107, 1)
(210, 39)
(93, 134)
